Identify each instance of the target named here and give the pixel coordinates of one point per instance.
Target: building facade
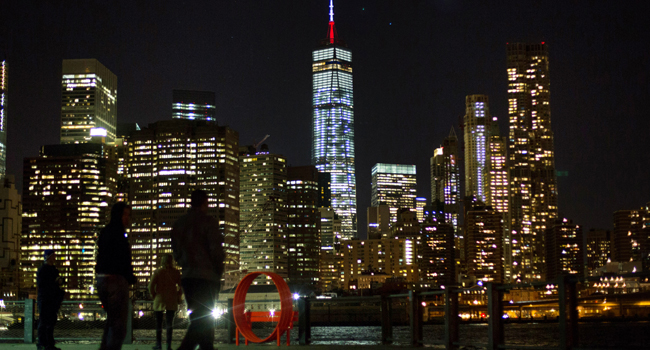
(531, 158)
(333, 149)
(631, 235)
(499, 189)
(379, 222)
(168, 160)
(564, 249)
(598, 250)
(303, 221)
(3, 117)
(445, 179)
(68, 191)
(330, 262)
(263, 205)
(11, 212)
(394, 185)
(484, 243)
(88, 101)
(438, 254)
(194, 105)
(476, 125)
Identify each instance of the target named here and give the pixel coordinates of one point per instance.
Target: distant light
(189, 312)
(272, 311)
(81, 306)
(480, 283)
(141, 313)
(424, 303)
(216, 313)
(543, 43)
(506, 316)
(98, 132)
(296, 296)
(81, 317)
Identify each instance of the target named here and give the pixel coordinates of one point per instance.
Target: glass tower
(333, 124)
(477, 128)
(3, 118)
(199, 105)
(88, 101)
(394, 185)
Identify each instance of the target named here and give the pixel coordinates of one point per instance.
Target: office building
(3, 117)
(438, 254)
(631, 235)
(445, 179)
(88, 101)
(564, 249)
(330, 261)
(263, 206)
(383, 256)
(68, 191)
(11, 212)
(531, 158)
(499, 189)
(476, 125)
(598, 250)
(420, 203)
(394, 185)
(166, 161)
(303, 221)
(194, 105)
(333, 149)
(379, 222)
(484, 243)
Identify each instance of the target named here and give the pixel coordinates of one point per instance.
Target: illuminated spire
(331, 33)
(331, 10)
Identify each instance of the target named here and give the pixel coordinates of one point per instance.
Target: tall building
(476, 125)
(445, 179)
(531, 159)
(11, 212)
(484, 247)
(420, 203)
(394, 185)
(564, 249)
(88, 101)
(194, 105)
(3, 118)
(330, 262)
(303, 220)
(598, 250)
(499, 189)
(68, 191)
(263, 207)
(168, 160)
(438, 255)
(631, 235)
(333, 124)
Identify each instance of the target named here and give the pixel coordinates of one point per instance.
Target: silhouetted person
(165, 288)
(50, 296)
(198, 249)
(114, 274)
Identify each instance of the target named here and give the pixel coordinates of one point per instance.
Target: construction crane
(256, 144)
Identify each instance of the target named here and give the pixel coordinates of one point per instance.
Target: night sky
(414, 63)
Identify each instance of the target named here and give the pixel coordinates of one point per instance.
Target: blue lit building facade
(3, 118)
(333, 125)
(194, 105)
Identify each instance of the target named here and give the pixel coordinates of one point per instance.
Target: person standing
(165, 288)
(198, 248)
(50, 296)
(114, 272)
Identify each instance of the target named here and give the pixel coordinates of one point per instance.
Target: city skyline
(401, 115)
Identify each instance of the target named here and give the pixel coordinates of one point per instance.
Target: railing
(84, 320)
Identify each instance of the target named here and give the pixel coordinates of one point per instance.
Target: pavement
(95, 346)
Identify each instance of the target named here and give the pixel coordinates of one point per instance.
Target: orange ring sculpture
(239, 305)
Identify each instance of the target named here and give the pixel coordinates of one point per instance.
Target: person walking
(114, 272)
(165, 288)
(198, 248)
(50, 296)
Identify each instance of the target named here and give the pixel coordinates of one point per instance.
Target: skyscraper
(445, 180)
(564, 249)
(263, 206)
(476, 125)
(394, 185)
(68, 191)
(531, 160)
(497, 196)
(631, 235)
(11, 211)
(165, 162)
(194, 105)
(483, 247)
(3, 118)
(88, 101)
(597, 249)
(333, 124)
(303, 217)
